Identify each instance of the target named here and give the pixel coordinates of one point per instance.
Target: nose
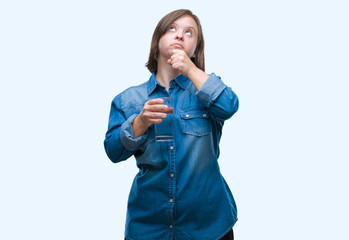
(179, 35)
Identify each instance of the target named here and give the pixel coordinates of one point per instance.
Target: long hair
(162, 28)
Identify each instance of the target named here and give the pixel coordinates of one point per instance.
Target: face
(182, 34)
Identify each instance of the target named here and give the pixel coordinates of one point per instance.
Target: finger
(175, 55)
(155, 101)
(169, 110)
(177, 66)
(155, 120)
(177, 50)
(174, 60)
(157, 108)
(159, 120)
(154, 115)
(177, 59)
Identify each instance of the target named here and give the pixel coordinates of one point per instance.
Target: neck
(165, 73)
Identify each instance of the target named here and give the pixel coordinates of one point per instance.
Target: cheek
(162, 44)
(191, 50)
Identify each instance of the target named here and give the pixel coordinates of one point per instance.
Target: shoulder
(132, 96)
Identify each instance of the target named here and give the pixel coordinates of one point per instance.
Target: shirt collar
(181, 80)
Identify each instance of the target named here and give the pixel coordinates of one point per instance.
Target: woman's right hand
(152, 113)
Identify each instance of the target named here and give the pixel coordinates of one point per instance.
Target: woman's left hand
(180, 61)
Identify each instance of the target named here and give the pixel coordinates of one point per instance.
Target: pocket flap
(194, 113)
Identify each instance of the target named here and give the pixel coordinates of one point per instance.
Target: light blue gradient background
(284, 154)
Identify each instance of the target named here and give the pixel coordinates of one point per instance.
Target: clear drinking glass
(164, 130)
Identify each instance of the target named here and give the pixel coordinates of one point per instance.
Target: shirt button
(187, 115)
(171, 147)
(172, 175)
(173, 82)
(171, 226)
(171, 200)
(204, 115)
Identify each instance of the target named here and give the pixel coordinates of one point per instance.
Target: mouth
(177, 45)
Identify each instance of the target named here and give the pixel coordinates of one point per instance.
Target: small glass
(164, 130)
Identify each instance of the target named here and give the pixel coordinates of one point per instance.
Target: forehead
(186, 22)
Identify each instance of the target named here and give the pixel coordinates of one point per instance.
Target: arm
(125, 136)
(180, 61)
(220, 99)
(119, 143)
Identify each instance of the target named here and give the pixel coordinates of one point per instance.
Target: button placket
(172, 184)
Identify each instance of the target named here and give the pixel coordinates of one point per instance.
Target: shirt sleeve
(221, 101)
(126, 135)
(119, 143)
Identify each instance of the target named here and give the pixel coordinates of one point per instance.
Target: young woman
(179, 192)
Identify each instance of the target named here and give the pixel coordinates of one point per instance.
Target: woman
(179, 192)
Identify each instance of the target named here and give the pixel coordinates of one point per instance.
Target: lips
(177, 45)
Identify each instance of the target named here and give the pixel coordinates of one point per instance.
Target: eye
(188, 32)
(172, 29)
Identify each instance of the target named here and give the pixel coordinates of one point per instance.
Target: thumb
(169, 61)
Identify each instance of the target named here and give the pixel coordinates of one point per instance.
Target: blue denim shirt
(179, 192)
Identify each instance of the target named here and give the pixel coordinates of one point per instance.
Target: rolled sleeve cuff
(126, 135)
(211, 89)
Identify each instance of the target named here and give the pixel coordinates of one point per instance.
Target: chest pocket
(196, 122)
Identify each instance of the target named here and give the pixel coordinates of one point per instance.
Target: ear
(193, 56)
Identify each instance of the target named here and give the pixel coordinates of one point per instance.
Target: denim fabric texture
(179, 192)
(228, 236)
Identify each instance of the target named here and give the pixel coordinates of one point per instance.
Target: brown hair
(162, 28)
